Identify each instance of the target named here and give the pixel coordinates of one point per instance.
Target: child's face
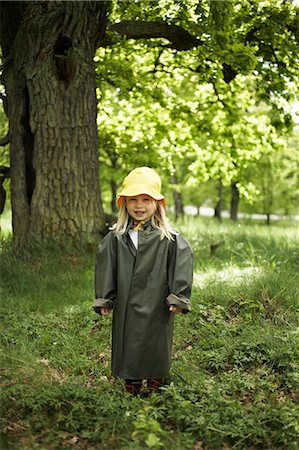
(141, 207)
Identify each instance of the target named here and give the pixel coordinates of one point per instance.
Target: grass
(234, 378)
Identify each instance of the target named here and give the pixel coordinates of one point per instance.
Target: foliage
(234, 377)
(275, 177)
(214, 111)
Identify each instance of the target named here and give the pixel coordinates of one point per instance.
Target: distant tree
(275, 176)
(219, 204)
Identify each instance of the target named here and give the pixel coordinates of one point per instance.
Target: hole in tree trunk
(64, 60)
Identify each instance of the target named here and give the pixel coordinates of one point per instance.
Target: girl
(144, 273)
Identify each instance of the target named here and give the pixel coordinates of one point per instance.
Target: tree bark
(48, 50)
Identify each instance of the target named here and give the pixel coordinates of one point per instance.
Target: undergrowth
(234, 377)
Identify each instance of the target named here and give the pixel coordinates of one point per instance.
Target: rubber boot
(133, 387)
(153, 385)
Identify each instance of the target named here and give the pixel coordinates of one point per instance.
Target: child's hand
(175, 309)
(105, 311)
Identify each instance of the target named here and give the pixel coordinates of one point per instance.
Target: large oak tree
(49, 79)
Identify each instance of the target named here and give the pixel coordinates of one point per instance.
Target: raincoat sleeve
(180, 274)
(105, 273)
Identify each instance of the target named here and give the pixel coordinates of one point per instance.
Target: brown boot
(133, 387)
(153, 385)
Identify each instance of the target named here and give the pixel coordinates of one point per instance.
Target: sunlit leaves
(212, 112)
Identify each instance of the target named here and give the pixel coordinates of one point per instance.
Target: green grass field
(234, 378)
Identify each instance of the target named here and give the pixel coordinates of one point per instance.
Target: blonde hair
(158, 221)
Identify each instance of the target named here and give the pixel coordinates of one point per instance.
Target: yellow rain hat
(142, 180)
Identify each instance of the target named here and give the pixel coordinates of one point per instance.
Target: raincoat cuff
(102, 303)
(181, 302)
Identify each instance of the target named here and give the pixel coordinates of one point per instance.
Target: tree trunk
(48, 50)
(178, 200)
(234, 205)
(113, 184)
(219, 205)
(178, 205)
(113, 196)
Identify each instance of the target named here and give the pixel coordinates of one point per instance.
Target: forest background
(206, 92)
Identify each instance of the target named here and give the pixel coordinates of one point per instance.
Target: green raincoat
(140, 285)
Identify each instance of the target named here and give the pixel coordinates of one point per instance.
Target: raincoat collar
(146, 226)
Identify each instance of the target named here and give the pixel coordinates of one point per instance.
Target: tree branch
(179, 38)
